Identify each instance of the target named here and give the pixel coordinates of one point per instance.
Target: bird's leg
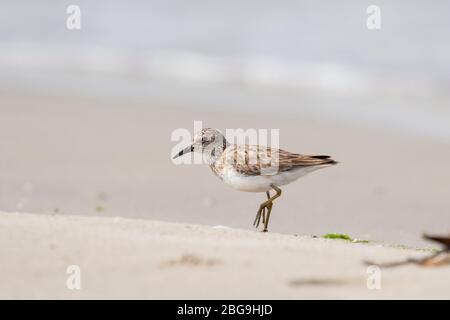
(266, 222)
(261, 214)
(269, 204)
(264, 216)
(266, 208)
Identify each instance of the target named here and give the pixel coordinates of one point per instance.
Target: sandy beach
(133, 258)
(92, 104)
(100, 157)
(98, 177)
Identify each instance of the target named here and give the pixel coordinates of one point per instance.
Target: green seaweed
(345, 237)
(339, 236)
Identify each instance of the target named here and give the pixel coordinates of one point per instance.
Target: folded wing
(252, 160)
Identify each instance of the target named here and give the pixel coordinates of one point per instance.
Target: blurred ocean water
(295, 56)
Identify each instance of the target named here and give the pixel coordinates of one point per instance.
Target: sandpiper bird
(253, 168)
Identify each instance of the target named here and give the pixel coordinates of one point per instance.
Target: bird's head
(209, 141)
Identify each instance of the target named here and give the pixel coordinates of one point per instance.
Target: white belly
(263, 183)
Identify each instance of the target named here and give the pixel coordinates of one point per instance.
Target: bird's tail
(323, 159)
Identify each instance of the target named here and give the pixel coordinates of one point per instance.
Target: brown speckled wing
(251, 160)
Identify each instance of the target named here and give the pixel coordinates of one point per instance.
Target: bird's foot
(261, 214)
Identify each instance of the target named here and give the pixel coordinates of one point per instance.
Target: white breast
(262, 183)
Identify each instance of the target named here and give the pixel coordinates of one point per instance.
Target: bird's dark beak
(184, 151)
